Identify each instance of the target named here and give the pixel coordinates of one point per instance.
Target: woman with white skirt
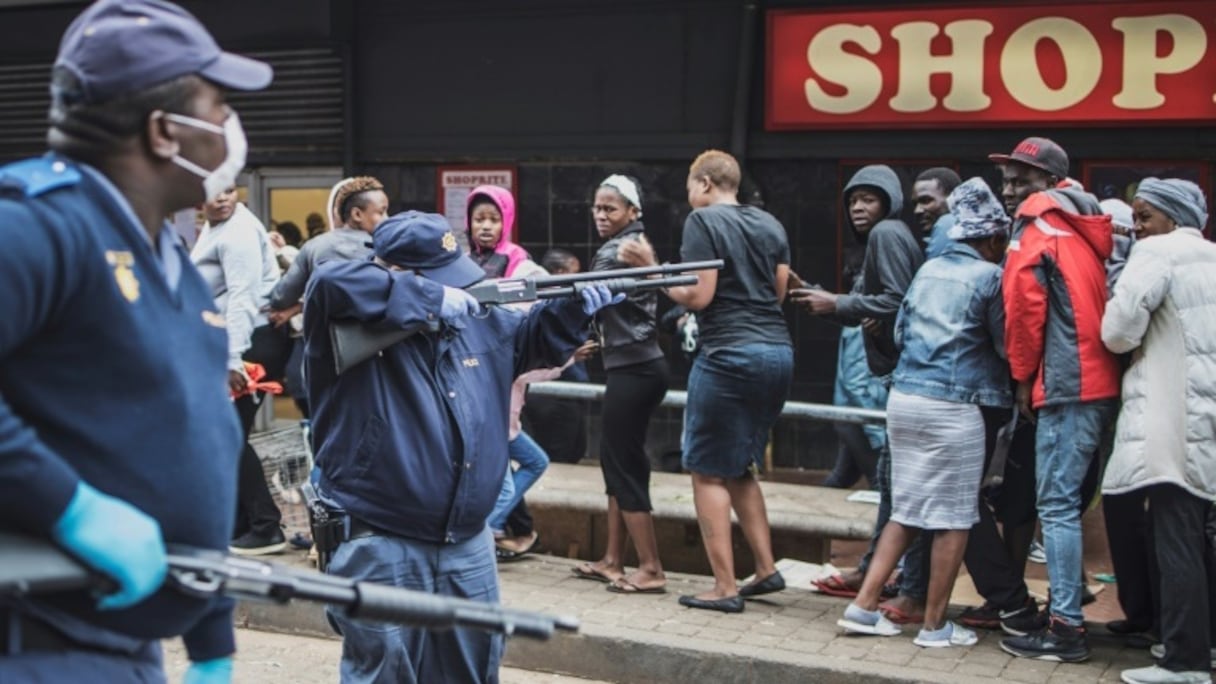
(950, 331)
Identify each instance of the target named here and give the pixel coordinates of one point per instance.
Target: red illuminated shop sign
(1109, 62)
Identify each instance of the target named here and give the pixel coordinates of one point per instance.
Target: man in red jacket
(1055, 293)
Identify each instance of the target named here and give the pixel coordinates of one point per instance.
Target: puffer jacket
(628, 333)
(1164, 311)
(1054, 287)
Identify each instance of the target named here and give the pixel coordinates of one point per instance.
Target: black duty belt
(360, 529)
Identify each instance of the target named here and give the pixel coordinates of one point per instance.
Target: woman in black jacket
(636, 382)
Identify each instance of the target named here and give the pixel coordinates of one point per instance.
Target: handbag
(995, 475)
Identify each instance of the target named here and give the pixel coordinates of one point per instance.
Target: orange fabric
(256, 374)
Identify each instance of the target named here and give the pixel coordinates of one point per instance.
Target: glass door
(291, 195)
(283, 197)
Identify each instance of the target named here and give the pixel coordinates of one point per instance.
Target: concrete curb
(623, 655)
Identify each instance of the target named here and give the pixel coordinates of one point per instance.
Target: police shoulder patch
(37, 176)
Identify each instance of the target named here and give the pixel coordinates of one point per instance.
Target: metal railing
(679, 399)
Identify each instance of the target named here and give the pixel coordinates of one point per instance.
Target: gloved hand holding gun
(354, 343)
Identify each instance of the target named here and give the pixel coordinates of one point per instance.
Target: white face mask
(223, 176)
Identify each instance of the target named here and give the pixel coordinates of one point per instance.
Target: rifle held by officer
(31, 567)
(355, 343)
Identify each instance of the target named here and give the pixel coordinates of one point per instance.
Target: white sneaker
(949, 635)
(858, 620)
(1038, 554)
(1159, 675)
(1158, 652)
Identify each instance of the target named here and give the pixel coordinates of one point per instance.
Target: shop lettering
(457, 180)
(1078, 64)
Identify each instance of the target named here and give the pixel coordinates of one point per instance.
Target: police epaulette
(34, 177)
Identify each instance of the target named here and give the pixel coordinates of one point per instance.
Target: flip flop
(899, 617)
(835, 586)
(624, 586)
(587, 571)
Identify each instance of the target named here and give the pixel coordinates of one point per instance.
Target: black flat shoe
(773, 583)
(732, 604)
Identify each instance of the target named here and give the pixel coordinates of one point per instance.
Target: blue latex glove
(216, 671)
(457, 303)
(116, 539)
(596, 297)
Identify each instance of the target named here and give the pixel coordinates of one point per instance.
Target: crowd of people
(1030, 350)
(1052, 343)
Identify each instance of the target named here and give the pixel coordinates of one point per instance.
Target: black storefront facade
(565, 92)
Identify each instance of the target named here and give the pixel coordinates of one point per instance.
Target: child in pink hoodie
(490, 211)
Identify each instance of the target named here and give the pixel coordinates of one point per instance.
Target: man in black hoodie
(873, 199)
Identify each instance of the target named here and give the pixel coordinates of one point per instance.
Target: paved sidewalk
(785, 637)
(266, 658)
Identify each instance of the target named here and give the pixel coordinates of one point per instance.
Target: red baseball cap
(1041, 153)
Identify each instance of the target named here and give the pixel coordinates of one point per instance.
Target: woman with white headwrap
(1164, 312)
(636, 372)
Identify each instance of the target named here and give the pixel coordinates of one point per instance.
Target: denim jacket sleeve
(995, 314)
(901, 321)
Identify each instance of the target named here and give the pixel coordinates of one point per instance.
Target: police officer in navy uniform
(117, 434)
(412, 443)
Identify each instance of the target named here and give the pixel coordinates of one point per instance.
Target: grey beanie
(1178, 199)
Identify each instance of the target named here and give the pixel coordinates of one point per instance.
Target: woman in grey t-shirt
(740, 379)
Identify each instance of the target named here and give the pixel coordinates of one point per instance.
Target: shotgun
(354, 343)
(29, 567)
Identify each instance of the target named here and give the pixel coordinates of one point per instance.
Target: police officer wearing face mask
(117, 434)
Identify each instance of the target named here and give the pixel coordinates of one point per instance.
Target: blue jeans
(532, 462)
(1067, 438)
(380, 653)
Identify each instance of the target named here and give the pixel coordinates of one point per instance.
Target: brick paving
(796, 627)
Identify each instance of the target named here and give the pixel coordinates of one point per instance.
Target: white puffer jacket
(1164, 309)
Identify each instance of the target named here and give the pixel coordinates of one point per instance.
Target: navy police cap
(117, 47)
(425, 243)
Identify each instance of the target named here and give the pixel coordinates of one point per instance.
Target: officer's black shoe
(1058, 642)
(254, 544)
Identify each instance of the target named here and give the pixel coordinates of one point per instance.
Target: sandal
(508, 555)
(835, 586)
(588, 571)
(899, 617)
(624, 586)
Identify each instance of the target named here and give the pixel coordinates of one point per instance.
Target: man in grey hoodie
(873, 199)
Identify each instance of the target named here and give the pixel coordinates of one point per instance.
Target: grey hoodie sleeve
(894, 265)
(290, 288)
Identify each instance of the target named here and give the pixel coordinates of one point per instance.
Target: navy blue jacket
(110, 376)
(414, 441)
